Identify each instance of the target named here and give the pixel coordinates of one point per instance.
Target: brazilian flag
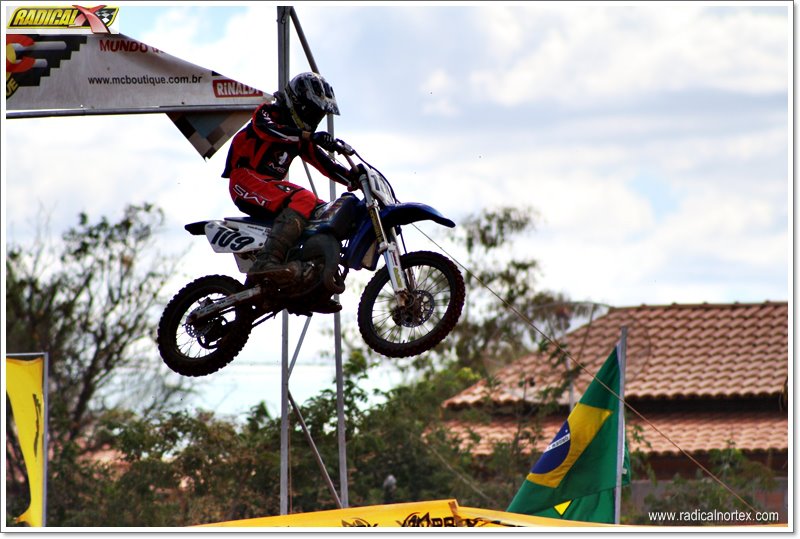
(575, 477)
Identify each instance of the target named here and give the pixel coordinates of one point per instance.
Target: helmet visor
(321, 94)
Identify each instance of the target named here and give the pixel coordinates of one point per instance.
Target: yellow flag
(24, 386)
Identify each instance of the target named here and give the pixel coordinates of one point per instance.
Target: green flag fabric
(575, 477)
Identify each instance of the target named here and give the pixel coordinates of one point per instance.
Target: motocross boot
(328, 306)
(271, 260)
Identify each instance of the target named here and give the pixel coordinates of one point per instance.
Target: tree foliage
(89, 302)
(702, 497)
(181, 468)
(91, 309)
(507, 314)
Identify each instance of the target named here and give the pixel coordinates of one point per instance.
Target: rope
(594, 378)
(455, 472)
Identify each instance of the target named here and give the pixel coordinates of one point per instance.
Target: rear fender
(196, 229)
(362, 251)
(232, 235)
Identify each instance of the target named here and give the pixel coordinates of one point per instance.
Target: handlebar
(343, 148)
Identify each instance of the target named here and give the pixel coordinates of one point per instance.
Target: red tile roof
(674, 352)
(748, 431)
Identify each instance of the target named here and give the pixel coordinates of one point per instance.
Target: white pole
(571, 385)
(337, 346)
(622, 350)
(285, 14)
(283, 77)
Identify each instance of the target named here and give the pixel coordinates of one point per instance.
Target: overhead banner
(208, 131)
(433, 514)
(110, 72)
(25, 383)
(76, 73)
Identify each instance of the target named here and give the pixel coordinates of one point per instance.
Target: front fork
(388, 246)
(402, 281)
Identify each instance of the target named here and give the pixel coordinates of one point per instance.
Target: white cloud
(568, 108)
(235, 50)
(573, 54)
(726, 226)
(438, 92)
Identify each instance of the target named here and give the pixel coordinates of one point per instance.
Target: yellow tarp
(433, 514)
(501, 518)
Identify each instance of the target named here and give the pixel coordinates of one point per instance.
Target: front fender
(392, 216)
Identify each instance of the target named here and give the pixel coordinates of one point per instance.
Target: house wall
(666, 467)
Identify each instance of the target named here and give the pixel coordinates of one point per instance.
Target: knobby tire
(373, 326)
(234, 337)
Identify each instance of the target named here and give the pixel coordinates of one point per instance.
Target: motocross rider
(258, 162)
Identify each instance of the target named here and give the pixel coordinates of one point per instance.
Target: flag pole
(622, 350)
(283, 78)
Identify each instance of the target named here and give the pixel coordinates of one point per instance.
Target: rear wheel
(437, 298)
(205, 346)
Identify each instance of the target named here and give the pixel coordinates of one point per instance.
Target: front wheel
(437, 297)
(203, 347)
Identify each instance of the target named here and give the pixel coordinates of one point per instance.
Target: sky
(652, 139)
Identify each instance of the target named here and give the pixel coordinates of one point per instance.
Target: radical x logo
(97, 19)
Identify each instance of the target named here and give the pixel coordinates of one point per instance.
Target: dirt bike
(409, 306)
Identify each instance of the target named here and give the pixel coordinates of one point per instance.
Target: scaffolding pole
(285, 14)
(622, 358)
(337, 346)
(283, 78)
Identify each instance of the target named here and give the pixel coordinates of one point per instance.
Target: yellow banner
(433, 514)
(502, 518)
(24, 386)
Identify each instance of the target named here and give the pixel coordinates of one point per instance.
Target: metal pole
(337, 345)
(283, 78)
(285, 14)
(337, 328)
(622, 352)
(15, 115)
(284, 488)
(571, 385)
(303, 41)
(314, 450)
(299, 345)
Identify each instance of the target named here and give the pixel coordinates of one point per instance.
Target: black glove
(324, 140)
(354, 177)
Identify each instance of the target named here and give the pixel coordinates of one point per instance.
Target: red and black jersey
(269, 143)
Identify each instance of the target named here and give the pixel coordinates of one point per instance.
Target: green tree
(175, 468)
(88, 301)
(183, 469)
(507, 315)
(402, 436)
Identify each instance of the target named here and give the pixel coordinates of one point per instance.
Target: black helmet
(310, 98)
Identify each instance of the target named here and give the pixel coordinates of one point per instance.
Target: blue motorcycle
(408, 307)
